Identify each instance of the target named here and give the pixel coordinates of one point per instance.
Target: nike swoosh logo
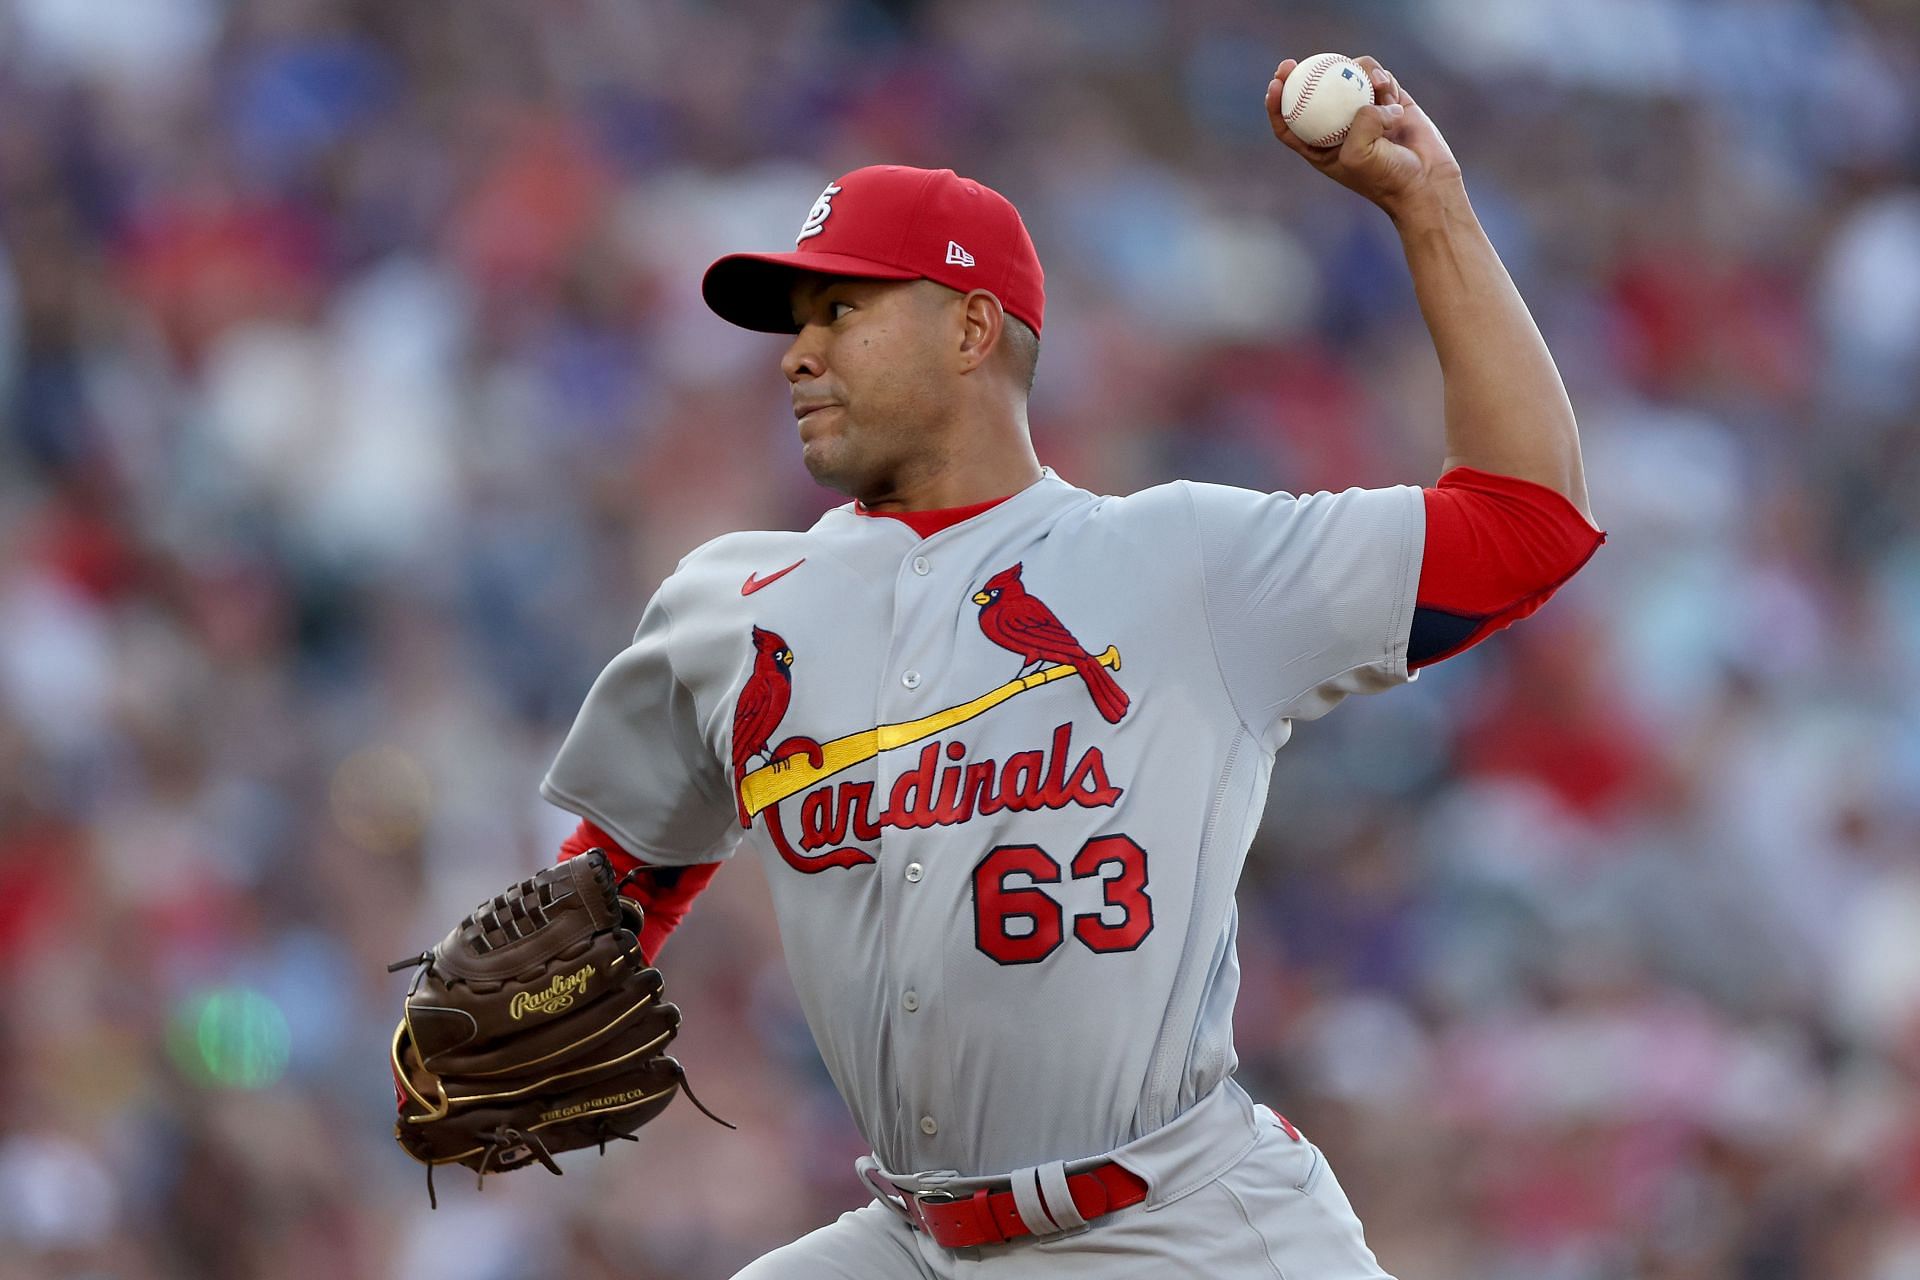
(754, 582)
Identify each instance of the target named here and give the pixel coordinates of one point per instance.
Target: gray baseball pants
(1231, 1194)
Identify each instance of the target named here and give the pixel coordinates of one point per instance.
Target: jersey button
(913, 872)
(922, 566)
(910, 1002)
(928, 1127)
(911, 679)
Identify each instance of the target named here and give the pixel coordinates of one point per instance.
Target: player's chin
(825, 456)
(823, 432)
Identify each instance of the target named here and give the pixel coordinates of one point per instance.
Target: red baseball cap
(890, 222)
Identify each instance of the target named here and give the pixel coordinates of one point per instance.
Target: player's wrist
(1436, 201)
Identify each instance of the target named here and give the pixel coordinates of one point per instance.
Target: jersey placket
(916, 683)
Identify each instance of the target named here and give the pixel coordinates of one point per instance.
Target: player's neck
(948, 492)
(1003, 463)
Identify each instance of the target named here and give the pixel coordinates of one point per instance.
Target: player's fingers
(1274, 86)
(1370, 124)
(1386, 87)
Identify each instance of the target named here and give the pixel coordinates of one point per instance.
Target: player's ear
(982, 323)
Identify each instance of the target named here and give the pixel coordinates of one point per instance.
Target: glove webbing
(513, 915)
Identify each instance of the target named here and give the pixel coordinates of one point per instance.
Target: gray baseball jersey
(1002, 780)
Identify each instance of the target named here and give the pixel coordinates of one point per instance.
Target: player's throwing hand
(1392, 153)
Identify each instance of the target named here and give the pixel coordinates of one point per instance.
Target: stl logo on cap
(904, 224)
(817, 216)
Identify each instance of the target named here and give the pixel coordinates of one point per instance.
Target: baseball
(1322, 96)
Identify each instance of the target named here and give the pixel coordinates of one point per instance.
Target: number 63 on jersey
(1116, 860)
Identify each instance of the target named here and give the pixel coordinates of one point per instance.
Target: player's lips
(811, 415)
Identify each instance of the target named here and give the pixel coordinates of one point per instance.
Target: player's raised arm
(1506, 409)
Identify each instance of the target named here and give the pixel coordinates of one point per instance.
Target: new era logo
(957, 256)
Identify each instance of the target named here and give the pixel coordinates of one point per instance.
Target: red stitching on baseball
(1306, 90)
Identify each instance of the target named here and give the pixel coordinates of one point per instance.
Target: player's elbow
(1497, 548)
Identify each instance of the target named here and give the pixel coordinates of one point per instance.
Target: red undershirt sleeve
(665, 894)
(1497, 548)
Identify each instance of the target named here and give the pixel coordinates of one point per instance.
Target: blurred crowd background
(355, 392)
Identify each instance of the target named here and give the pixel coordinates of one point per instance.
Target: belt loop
(1045, 1202)
(1026, 1198)
(1057, 1197)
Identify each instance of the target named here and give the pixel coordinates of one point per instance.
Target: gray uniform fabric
(1012, 933)
(1233, 1196)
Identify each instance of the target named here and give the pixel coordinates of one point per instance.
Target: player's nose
(802, 358)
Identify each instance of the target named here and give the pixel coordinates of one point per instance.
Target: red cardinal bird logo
(1022, 623)
(762, 704)
(763, 699)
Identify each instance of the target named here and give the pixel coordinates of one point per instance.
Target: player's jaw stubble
(860, 460)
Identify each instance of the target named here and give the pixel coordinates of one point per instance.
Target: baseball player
(1001, 743)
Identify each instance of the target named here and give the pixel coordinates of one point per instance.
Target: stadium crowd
(355, 392)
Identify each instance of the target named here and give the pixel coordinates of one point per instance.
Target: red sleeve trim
(666, 894)
(1497, 548)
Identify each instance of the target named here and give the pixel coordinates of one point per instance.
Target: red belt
(993, 1217)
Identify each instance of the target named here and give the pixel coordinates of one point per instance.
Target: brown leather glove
(534, 1027)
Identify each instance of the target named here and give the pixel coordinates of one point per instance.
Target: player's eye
(833, 308)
